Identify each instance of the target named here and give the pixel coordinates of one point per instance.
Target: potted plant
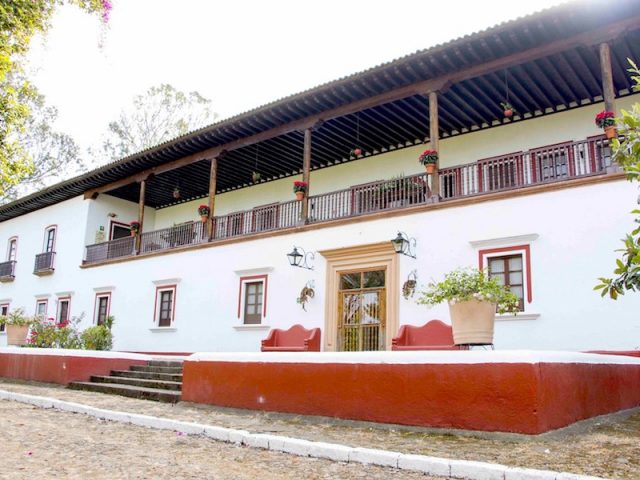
(356, 152)
(255, 176)
(17, 325)
(607, 121)
(473, 300)
(300, 188)
(203, 211)
(507, 109)
(135, 228)
(429, 158)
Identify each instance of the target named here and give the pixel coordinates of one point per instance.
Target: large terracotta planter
(17, 334)
(204, 218)
(472, 322)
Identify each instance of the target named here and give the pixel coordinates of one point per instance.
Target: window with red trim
(64, 305)
(41, 308)
(509, 271)
(101, 309)
(4, 311)
(12, 250)
(165, 308)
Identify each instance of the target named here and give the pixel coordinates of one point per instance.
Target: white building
(534, 194)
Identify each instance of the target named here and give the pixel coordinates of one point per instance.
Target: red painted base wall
(526, 398)
(59, 368)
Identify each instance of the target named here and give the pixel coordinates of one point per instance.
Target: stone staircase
(159, 380)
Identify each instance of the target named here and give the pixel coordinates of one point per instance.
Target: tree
(627, 154)
(19, 21)
(158, 115)
(53, 155)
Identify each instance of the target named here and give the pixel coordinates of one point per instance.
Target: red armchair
(296, 339)
(433, 335)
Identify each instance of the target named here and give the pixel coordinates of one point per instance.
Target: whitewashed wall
(575, 124)
(578, 230)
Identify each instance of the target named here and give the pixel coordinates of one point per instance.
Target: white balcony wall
(574, 124)
(106, 209)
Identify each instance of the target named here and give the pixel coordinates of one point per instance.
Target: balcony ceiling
(536, 87)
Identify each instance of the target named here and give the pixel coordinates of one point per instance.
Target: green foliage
(20, 20)
(465, 284)
(98, 337)
(47, 333)
(160, 114)
(627, 155)
(17, 317)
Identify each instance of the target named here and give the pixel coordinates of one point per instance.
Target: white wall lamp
(301, 260)
(404, 245)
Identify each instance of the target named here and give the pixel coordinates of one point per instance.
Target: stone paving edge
(443, 467)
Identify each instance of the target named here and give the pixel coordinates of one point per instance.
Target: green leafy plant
(47, 333)
(18, 318)
(464, 284)
(98, 337)
(627, 155)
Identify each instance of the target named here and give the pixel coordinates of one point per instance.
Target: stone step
(168, 396)
(138, 382)
(147, 368)
(168, 377)
(165, 363)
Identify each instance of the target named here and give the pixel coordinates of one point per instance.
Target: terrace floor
(607, 446)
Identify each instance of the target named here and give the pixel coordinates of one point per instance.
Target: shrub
(98, 337)
(47, 333)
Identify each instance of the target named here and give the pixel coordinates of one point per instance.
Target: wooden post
(306, 176)
(608, 91)
(143, 188)
(434, 136)
(213, 177)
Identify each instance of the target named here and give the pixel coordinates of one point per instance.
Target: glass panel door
(361, 316)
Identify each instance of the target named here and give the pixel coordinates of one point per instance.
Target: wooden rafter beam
(593, 37)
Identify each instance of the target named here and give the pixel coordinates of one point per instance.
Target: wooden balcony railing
(7, 271)
(515, 170)
(44, 263)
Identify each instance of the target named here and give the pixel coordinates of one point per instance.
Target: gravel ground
(608, 447)
(54, 444)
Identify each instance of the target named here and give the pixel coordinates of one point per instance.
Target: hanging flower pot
(607, 121)
(356, 152)
(429, 158)
(255, 176)
(134, 227)
(300, 189)
(203, 211)
(507, 109)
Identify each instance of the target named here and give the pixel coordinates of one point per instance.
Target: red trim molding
(165, 288)
(265, 280)
(46, 305)
(483, 254)
(96, 304)
(63, 299)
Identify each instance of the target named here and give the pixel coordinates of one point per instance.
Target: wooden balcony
(7, 271)
(44, 264)
(516, 170)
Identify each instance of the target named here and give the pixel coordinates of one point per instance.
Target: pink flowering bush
(48, 333)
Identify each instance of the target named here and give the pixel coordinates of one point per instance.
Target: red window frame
(9, 249)
(60, 300)
(5, 307)
(96, 307)
(46, 305)
(483, 256)
(251, 279)
(48, 229)
(156, 310)
(507, 272)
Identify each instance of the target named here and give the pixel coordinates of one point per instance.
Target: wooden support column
(306, 173)
(434, 140)
(608, 91)
(213, 178)
(143, 188)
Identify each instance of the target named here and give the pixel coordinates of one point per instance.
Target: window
(12, 249)
(119, 230)
(509, 271)
(165, 306)
(252, 303)
(62, 315)
(41, 308)
(50, 239)
(101, 309)
(4, 310)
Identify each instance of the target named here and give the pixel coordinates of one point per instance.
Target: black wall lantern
(404, 245)
(301, 260)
